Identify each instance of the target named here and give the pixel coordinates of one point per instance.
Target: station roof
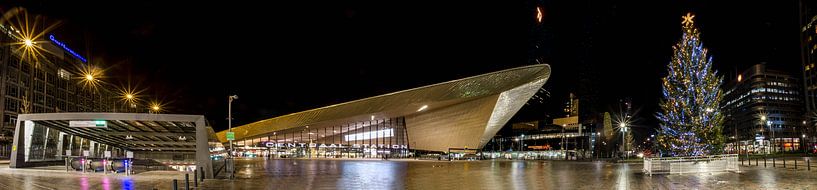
(396, 104)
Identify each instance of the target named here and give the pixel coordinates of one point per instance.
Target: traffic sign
(230, 136)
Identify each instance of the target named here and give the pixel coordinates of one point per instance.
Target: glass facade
(808, 46)
(46, 85)
(764, 111)
(47, 144)
(375, 138)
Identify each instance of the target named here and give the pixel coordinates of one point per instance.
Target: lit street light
(155, 107)
(768, 124)
(623, 127)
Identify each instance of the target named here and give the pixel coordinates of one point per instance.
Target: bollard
(186, 181)
(195, 179)
(175, 184)
(808, 164)
(774, 165)
(784, 162)
(202, 174)
(764, 161)
(795, 164)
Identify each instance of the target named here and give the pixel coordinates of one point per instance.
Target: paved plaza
(412, 174)
(55, 177)
(377, 174)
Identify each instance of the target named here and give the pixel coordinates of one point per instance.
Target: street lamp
(803, 143)
(230, 116)
(28, 42)
(155, 107)
(230, 129)
(623, 127)
(771, 132)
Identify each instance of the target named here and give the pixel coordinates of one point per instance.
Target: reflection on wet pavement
(409, 174)
(378, 174)
(58, 178)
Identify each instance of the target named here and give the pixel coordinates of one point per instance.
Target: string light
(690, 124)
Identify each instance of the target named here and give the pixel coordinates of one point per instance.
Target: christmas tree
(690, 117)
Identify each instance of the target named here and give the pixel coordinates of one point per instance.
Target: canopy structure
(49, 133)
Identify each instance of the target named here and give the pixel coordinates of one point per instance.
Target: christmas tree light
(690, 117)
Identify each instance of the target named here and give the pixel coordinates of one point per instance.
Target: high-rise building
(763, 110)
(50, 83)
(808, 46)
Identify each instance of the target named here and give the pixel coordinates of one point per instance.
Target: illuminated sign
(69, 50)
(98, 123)
(230, 136)
(315, 145)
(545, 147)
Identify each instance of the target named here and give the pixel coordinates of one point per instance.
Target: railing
(693, 164)
(796, 163)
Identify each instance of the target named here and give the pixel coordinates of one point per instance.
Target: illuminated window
(370, 135)
(63, 74)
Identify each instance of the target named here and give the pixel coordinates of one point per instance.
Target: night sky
(287, 57)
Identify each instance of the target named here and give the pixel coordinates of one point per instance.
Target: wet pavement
(411, 174)
(57, 178)
(378, 174)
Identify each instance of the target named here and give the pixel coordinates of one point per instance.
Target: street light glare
(89, 77)
(622, 125)
(155, 107)
(28, 42)
(129, 96)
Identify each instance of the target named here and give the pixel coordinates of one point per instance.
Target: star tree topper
(688, 20)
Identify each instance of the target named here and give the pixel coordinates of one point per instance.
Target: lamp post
(90, 79)
(763, 121)
(623, 127)
(128, 101)
(231, 165)
(155, 109)
(230, 118)
(803, 143)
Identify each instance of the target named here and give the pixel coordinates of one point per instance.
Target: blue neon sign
(69, 50)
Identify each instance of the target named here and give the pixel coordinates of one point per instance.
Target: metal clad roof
(400, 103)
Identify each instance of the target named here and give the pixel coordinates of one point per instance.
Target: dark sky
(287, 57)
